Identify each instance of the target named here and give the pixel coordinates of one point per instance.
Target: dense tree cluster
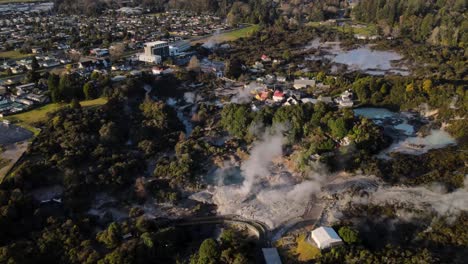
(439, 22)
(443, 165)
(318, 128)
(67, 87)
(232, 247)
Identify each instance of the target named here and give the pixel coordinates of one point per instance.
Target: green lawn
(304, 250)
(366, 30)
(241, 33)
(13, 54)
(232, 35)
(29, 119)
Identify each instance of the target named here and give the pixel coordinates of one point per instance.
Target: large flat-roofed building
(155, 52)
(178, 47)
(326, 237)
(271, 256)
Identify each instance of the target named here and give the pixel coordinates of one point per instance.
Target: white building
(345, 99)
(303, 83)
(154, 52)
(271, 256)
(326, 237)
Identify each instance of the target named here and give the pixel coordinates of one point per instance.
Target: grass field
(230, 36)
(13, 54)
(29, 119)
(366, 30)
(304, 250)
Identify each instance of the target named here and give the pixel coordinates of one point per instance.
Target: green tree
(53, 86)
(34, 64)
(348, 235)
(236, 119)
(110, 237)
(293, 117)
(89, 91)
(208, 252)
(233, 68)
(338, 127)
(109, 132)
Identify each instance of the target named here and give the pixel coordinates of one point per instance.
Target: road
(266, 237)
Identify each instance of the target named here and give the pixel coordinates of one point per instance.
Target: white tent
(326, 237)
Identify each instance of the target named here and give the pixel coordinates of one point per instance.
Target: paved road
(259, 228)
(266, 237)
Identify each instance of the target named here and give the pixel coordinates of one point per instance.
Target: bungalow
(303, 83)
(258, 65)
(39, 98)
(36, 50)
(118, 78)
(65, 61)
(345, 99)
(281, 79)
(309, 100)
(87, 65)
(269, 78)
(291, 101)
(50, 63)
(100, 52)
(26, 87)
(325, 99)
(265, 58)
(24, 101)
(157, 70)
(216, 67)
(278, 96)
(263, 95)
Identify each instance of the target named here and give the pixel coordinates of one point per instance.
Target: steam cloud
(213, 40)
(262, 154)
(245, 93)
(269, 193)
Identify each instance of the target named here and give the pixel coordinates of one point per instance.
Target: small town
(224, 131)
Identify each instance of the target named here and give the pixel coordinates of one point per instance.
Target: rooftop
(271, 256)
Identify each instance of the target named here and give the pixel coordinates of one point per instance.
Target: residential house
(303, 83)
(278, 96)
(345, 99)
(265, 58)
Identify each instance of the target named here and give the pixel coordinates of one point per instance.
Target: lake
(363, 58)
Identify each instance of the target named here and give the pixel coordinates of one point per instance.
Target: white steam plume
(261, 155)
(245, 93)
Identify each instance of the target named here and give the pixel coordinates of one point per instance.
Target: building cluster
(59, 32)
(18, 98)
(271, 89)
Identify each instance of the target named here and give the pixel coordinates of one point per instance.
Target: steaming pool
(403, 128)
